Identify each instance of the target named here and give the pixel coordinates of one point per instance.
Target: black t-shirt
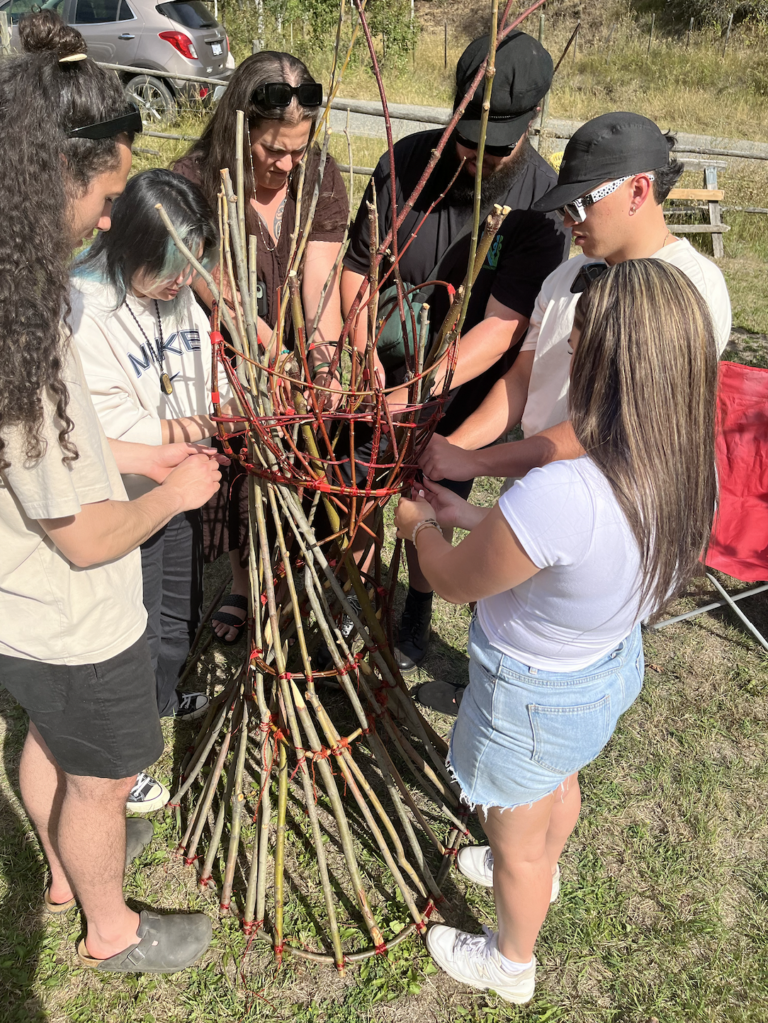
(527, 248)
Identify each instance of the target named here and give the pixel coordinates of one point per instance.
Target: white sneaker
(191, 706)
(476, 863)
(474, 959)
(147, 795)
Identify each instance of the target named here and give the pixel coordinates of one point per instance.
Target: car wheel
(153, 98)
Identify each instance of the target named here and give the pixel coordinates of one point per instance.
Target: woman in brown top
(281, 122)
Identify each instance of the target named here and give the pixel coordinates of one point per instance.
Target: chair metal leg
(710, 607)
(732, 604)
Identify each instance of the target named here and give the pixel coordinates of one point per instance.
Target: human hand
(331, 397)
(442, 460)
(450, 510)
(196, 479)
(409, 513)
(163, 458)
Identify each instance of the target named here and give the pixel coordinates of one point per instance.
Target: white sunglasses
(577, 210)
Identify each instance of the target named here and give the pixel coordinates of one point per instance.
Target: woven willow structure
(314, 776)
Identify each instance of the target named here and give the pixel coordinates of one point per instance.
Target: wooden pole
(536, 139)
(690, 29)
(728, 33)
(5, 34)
(445, 45)
(650, 37)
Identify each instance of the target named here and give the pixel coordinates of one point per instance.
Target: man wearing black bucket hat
(528, 247)
(616, 172)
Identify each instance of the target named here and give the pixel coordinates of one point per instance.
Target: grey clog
(166, 944)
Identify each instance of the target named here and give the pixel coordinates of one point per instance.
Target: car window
(190, 13)
(19, 7)
(94, 12)
(125, 14)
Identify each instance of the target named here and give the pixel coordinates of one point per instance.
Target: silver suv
(180, 35)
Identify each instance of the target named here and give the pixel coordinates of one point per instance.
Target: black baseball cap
(607, 147)
(523, 77)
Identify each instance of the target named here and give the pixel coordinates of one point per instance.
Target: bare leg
(522, 874)
(562, 820)
(240, 585)
(42, 785)
(91, 840)
(81, 823)
(416, 577)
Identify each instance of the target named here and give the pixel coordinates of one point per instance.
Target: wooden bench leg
(710, 183)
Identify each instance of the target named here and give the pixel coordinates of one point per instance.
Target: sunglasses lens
(279, 94)
(575, 212)
(310, 94)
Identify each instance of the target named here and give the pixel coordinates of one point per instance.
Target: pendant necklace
(165, 381)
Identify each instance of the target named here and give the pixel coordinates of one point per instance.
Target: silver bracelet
(422, 525)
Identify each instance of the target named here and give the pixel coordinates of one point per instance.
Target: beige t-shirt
(49, 609)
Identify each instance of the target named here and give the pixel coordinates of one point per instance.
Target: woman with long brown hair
(563, 569)
(73, 650)
(281, 102)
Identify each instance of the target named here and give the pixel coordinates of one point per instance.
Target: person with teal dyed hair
(145, 346)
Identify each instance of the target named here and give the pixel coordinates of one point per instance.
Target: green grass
(664, 906)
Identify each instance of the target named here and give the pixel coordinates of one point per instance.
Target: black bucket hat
(523, 77)
(607, 147)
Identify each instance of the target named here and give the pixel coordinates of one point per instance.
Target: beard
(493, 188)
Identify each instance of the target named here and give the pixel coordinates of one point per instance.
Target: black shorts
(98, 720)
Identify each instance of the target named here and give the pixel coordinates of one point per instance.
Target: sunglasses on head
(280, 94)
(577, 210)
(125, 123)
(489, 150)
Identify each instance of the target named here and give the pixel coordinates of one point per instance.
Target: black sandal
(225, 618)
(441, 696)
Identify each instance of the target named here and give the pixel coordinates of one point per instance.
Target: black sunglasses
(490, 150)
(280, 94)
(587, 274)
(126, 123)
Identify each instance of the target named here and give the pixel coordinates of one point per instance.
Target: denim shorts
(522, 731)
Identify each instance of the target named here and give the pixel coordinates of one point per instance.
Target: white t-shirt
(123, 370)
(584, 601)
(49, 609)
(552, 320)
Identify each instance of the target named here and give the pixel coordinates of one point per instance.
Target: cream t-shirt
(552, 320)
(122, 363)
(49, 609)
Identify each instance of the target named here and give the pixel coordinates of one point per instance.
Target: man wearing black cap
(615, 175)
(528, 246)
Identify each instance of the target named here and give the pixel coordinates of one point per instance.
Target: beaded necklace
(165, 381)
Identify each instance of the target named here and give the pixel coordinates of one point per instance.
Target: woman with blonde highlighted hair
(564, 569)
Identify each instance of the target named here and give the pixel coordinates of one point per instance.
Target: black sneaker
(147, 794)
(323, 659)
(415, 627)
(191, 706)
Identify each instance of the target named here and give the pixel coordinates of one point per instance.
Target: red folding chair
(739, 543)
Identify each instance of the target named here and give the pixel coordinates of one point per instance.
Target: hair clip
(73, 58)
